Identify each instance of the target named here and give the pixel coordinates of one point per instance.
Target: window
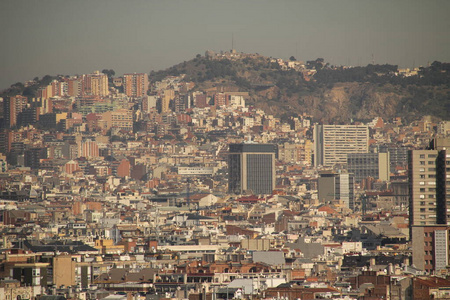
(422, 176)
(422, 163)
(422, 155)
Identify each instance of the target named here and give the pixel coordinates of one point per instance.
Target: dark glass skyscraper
(251, 168)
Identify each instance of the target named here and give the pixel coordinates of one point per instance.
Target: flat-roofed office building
(363, 165)
(251, 168)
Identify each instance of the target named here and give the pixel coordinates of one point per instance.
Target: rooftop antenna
(373, 60)
(232, 42)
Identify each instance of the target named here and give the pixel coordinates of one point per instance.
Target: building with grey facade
(251, 168)
(363, 165)
(337, 187)
(398, 155)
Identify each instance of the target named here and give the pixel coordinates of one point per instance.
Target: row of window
(430, 162)
(429, 203)
(429, 189)
(429, 169)
(422, 176)
(429, 209)
(429, 183)
(429, 196)
(423, 217)
(429, 155)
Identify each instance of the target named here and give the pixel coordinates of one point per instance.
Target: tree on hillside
(110, 73)
(46, 80)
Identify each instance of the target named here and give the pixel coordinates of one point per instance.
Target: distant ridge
(330, 94)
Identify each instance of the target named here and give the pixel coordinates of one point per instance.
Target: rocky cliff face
(343, 102)
(340, 103)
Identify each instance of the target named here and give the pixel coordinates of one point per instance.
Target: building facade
(428, 202)
(13, 107)
(95, 84)
(426, 205)
(135, 84)
(337, 187)
(251, 168)
(363, 165)
(120, 118)
(332, 143)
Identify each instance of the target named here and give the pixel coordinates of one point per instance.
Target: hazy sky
(80, 36)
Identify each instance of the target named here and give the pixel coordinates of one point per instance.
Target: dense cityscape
(135, 187)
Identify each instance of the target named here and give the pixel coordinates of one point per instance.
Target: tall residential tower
(135, 84)
(429, 202)
(332, 143)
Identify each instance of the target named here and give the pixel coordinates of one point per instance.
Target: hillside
(332, 95)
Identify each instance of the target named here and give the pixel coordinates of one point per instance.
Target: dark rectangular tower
(251, 168)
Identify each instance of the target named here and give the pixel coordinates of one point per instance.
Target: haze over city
(75, 37)
(218, 150)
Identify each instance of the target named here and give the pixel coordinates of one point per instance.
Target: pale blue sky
(74, 37)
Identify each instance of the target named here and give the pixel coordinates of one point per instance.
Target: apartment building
(135, 84)
(332, 143)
